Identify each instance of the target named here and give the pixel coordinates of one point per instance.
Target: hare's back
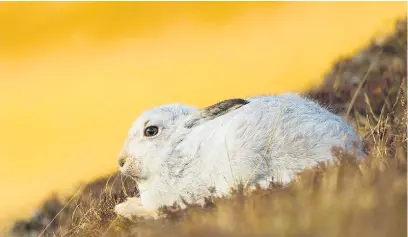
(290, 123)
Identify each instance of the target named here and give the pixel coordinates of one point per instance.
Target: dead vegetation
(350, 200)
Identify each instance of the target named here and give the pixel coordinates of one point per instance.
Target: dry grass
(347, 199)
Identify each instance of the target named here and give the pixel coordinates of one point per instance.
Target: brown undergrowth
(347, 199)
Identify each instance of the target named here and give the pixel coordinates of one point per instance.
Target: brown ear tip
(216, 110)
(233, 101)
(240, 101)
(225, 105)
(229, 103)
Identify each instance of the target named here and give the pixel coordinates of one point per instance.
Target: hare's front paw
(132, 208)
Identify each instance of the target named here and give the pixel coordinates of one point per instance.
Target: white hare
(178, 153)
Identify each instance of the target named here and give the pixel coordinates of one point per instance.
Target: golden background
(74, 76)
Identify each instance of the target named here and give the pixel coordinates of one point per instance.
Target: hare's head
(157, 131)
(148, 138)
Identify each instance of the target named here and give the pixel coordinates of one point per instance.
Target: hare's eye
(151, 131)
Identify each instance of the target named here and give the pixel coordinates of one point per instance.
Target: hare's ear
(213, 111)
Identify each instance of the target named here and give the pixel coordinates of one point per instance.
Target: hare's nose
(122, 161)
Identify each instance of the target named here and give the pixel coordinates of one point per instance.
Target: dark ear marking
(222, 107)
(216, 110)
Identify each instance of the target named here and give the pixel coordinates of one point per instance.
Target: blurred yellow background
(75, 75)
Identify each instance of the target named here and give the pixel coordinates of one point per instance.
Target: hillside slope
(369, 89)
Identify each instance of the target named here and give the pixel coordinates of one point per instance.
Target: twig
(361, 84)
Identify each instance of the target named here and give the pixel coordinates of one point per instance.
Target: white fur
(270, 138)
